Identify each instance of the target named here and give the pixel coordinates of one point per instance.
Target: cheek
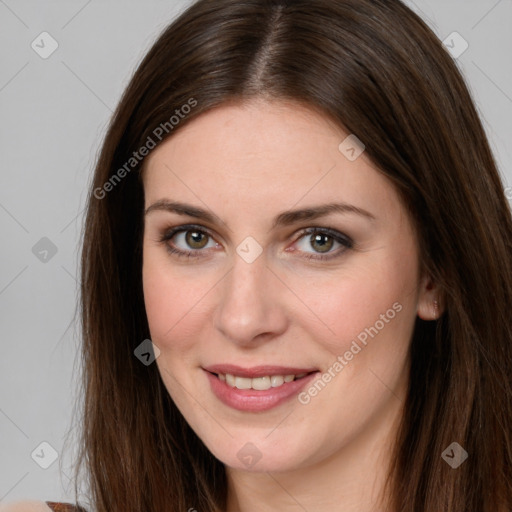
(171, 299)
(378, 293)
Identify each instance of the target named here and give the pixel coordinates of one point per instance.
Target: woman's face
(252, 293)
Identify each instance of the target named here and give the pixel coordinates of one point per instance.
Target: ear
(431, 302)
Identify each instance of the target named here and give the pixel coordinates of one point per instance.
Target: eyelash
(341, 238)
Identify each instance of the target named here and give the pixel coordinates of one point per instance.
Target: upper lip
(257, 371)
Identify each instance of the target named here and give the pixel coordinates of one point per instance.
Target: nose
(250, 310)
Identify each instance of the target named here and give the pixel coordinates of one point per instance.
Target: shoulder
(25, 506)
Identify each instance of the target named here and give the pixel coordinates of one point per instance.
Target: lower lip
(252, 400)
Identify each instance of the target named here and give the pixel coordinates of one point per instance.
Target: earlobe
(430, 301)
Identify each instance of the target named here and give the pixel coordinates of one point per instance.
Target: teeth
(258, 383)
(276, 380)
(261, 383)
(243, 383)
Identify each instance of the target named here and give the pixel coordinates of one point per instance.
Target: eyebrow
(282, 219)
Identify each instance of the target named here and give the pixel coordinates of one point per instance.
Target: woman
(297, 272)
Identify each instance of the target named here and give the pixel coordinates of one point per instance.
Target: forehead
(262, 153)
(252, 131)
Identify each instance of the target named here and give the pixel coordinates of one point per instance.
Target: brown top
(64, 507)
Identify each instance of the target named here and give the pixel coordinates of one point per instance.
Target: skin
(246, 164)
(25, 506)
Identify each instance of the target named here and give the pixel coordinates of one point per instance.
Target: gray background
(54, 113)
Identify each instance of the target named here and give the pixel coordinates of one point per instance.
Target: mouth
(257, 388)
(259, 383)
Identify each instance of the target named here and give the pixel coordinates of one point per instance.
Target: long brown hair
(377, 70)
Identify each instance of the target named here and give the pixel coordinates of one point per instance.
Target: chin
(257, 454)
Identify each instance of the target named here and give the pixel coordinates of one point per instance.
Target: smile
(259, 388)
(258, 383)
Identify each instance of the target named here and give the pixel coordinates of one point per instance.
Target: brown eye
(188, 241)
(196, 239)
(321, 242)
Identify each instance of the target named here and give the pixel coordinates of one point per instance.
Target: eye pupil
(320, 238)
(193, 239)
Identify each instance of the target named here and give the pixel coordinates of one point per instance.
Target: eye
(322, 240)
(191, 241)
(188, 241)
